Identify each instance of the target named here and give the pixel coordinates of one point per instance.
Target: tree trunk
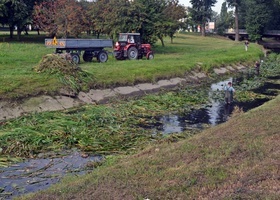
(236, 23)
(18, 34)
(161, 40)
(11, 32)
(202, 29)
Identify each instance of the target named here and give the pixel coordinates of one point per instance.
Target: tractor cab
(130, 38)
(129, 46)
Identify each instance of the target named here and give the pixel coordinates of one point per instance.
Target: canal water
(216, 111)
(38, 174)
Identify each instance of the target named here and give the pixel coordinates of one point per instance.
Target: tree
(173, 13)
(161, 22)
(151, 25)
(86, 9)
(190, 24)
(97, 14)
(258, 15)
(153, 19)
(201, 12)
(14, 13)
(235, 4)
(61, 18)
(274, 23)
(110, 19)
(225, 19)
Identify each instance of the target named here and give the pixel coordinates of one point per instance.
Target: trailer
(88, 48)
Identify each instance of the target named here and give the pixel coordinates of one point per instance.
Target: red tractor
(129, 46)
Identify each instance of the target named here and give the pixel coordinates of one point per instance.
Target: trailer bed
(78, 43)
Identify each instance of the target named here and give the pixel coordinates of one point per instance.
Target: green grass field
(19, 80)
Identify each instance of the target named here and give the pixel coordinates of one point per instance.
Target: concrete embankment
(9, 110)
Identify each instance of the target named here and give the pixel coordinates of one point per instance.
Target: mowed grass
(18, 79)
(235, 160)
(188, 52)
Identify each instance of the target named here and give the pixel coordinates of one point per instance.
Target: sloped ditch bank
(37, 174)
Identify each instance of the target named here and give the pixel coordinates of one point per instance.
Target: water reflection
(216, 112)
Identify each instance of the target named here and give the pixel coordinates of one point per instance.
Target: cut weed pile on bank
(57, 63)
(70, 74)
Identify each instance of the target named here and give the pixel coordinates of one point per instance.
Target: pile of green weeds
(69, 73)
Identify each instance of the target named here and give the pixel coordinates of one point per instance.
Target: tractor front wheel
(132, 53)
(150, 56)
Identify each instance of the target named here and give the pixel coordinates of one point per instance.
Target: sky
(217, 7)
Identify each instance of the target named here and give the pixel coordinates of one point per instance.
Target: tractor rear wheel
(132, 53)
(102, 56)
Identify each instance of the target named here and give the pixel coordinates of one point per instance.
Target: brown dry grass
(235, 160)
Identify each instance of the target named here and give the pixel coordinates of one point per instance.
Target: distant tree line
(153, 19)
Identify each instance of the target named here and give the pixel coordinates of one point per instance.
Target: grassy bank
(188, 52)
(235, 160)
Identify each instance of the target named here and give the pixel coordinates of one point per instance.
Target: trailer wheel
(87, 56)
(102, 56)
(75, 58)
(132, 53)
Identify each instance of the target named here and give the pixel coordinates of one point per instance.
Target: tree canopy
(256, 16)
(153, 19)
(14, 13)
(201, 12)
(225, 19)
(61, 18)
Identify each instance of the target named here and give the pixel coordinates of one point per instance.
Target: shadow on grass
(31, 38)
